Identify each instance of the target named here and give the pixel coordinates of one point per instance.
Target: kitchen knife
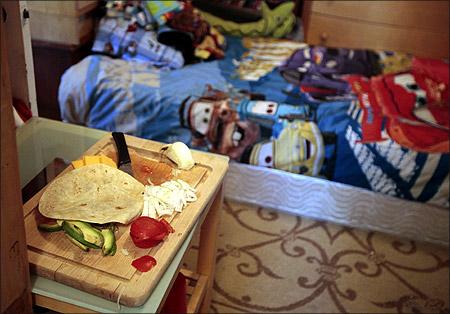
(124, 162)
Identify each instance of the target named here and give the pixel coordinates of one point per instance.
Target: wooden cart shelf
(119, 281)
(196, 285)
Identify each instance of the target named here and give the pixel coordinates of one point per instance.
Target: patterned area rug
(271, 262)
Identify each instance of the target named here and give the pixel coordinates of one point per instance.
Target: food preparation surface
(52, 256)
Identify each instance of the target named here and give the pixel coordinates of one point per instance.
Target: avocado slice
(49, 226)
(79, 244)
(109, 245)
(84, 233)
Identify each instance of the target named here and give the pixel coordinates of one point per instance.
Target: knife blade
(124, 162)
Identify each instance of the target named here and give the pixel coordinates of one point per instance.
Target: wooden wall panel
(426, 15)
(417, 27)
(337, 32)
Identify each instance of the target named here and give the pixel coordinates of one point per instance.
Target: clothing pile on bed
(372, 119)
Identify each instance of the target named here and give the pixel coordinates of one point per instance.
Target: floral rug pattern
(272, 262)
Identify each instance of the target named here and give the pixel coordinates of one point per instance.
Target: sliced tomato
(146, 243)
(144, 263)
(147, 232)
(166, 224)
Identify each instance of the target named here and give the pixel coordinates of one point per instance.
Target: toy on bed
(206, 43)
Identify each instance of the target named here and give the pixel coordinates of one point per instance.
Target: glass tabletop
(39, 142)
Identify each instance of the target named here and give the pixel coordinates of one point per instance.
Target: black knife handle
(122, 148)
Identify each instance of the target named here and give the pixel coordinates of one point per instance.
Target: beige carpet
(271, 262)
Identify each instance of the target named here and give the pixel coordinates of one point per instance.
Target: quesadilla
(95, 193)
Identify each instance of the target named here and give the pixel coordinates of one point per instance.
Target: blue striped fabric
(389, 168)
(132, 97)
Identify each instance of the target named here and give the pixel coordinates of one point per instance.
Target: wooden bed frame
(336, 202)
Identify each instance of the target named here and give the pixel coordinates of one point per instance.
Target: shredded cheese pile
(167, 198)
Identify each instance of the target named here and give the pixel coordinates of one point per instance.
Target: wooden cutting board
(51, 255)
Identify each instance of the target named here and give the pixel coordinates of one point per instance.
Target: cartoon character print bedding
(235, 125)
(368, 119)
(387, 132)
(399, 133)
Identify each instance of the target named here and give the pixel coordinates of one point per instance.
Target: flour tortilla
(96, 193)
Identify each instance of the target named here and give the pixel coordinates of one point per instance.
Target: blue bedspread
(131, 97)
(139, 99)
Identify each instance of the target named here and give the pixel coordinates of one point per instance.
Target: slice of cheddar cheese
(107, 161)
(90, 160)
(77, 163)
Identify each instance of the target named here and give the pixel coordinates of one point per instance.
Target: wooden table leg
(206, 261)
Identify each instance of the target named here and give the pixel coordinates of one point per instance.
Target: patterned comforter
(138, 99)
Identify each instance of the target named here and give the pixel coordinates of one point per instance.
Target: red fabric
(433, 77)
(398, 105)
(372, 118)
(176, 300)
(323, 91)
(395, 97)
(435, 69)
(22, 109)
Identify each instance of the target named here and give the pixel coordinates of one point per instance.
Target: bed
(379, 186)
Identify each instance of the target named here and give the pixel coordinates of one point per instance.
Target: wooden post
(15, 278)
(206, 262)
(20, 54)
